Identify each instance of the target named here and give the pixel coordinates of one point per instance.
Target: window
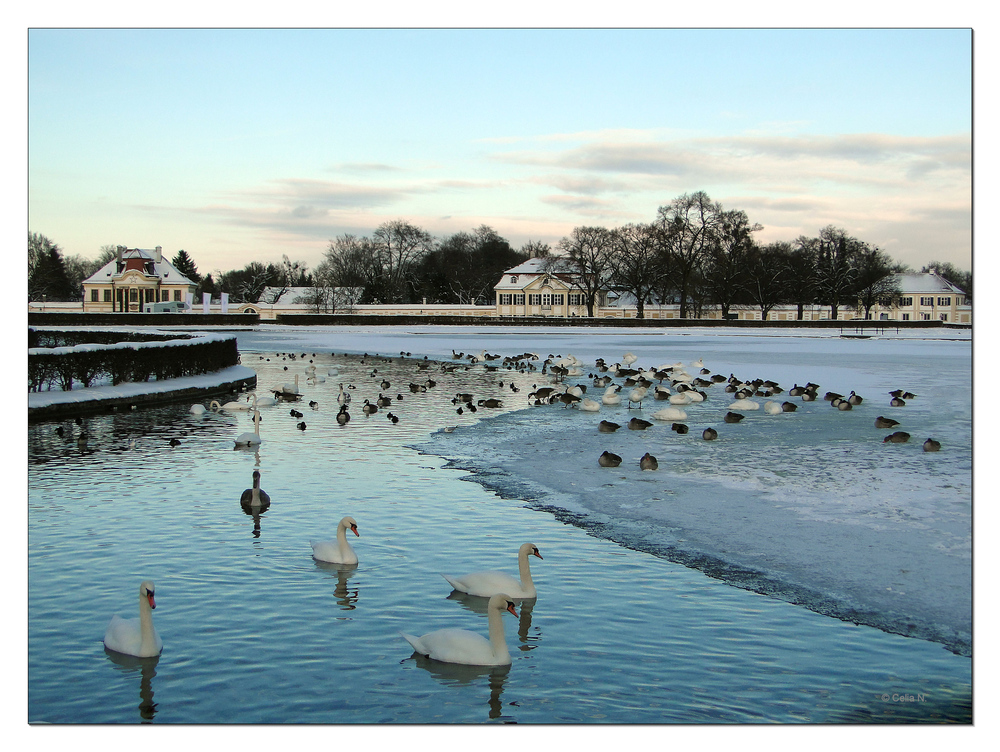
(927, 301)
(906, 317)
(107, 296)
(93, 296)
(513, 279)
(944, 316)
(944, 302)
(150, 292)
(576, 298)
(505, 298)
(534, 299)
(558, 299)
(165, 295)
(906, 302)
(546, 298)
(133, 295)
(519, 299)
(177, 295)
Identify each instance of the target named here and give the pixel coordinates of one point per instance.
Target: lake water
(256, 631)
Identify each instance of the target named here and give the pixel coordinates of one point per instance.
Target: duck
(487, 584)
(136, 637)
(606, 426)
(465, 647)
(301, 426)
(255, 497)
(709, 434)
(638, 424)
(609, 459)
(648, 462)
(899, 437)
(881, 422)
(932, 445)
(250, 439)
(338, 551)
(295, 413)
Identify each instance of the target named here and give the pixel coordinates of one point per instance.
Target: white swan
(136, 637)
(611, 396)
(628, 359)
(486, 584)
(670, 413)
(255, 496)
(247, 438)
(589, 405)
(198, 409)
(214, 404)
(262, 401)
(338, 551)
(469, 648)
(291, 388)
(681, 398)
(744, 404)
(637, 395)
(772, 408)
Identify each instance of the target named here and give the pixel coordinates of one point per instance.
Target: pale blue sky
(241, 145)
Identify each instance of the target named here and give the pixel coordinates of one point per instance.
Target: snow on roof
(163, 269)
(558, 267)
(928, 283)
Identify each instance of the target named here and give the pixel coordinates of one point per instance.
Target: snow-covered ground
(809, 505)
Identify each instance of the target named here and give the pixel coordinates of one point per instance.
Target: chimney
(118, 266)
(159, 254)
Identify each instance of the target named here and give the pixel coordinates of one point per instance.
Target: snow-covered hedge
(128, 361)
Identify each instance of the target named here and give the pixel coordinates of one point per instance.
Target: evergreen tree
(183, 263)
(48, 279)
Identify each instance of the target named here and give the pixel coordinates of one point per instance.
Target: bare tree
(689, 223)
(399, 247)
(724, 270)
(876, 279)
(587, 252)
(836, 268)
(637, 263)
(766, 276)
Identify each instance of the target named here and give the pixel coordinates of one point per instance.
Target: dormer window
(513, 279)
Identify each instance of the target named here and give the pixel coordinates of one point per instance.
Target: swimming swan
(338, 551)
(136, 637)
(486, 584)
(465, 647)
(247, 438)
(255, 497)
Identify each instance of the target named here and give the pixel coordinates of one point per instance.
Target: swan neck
(525, 569)
(146, 631)
(497, 640)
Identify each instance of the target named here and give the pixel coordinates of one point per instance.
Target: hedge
(167, 357)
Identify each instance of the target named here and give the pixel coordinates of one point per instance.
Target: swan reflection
(347, 598)
(479, 606)
(456, 674)
(130, 665)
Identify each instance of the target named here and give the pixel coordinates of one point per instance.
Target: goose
(897, 402)
(343, 416)
(680, 428)
(638, 424)
(855, 399)
(368, 408)
(899, 437)
(466, 647)
(789, 407)
(487, 584)
(661, 393)
(609, 459)
(250, 439)
(670, 413)
(338, 551)
(492, 402)
(255, 497)
(606, 426)
(709, 434)
(844, 405)
(383, 401)
(136, 637)
(590, 406)
(830, 396)
(881, 422)
(732, 417)
(808, 396)
(648, 462)
(932, 445)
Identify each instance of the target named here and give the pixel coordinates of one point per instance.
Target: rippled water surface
(256, 631)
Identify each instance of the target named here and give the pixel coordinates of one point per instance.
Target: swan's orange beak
(510, 607)
(535, 552)
(152, 603)
(354, 528)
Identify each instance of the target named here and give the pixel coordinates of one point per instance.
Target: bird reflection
(347, 598)
(479, 605)
(456, 674)
(146, 668)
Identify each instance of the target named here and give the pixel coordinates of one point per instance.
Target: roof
(928, 283)
(534, 267)
(138, 257)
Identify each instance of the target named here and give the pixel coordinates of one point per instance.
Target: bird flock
(687, 391)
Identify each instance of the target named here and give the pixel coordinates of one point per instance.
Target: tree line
(695, 254)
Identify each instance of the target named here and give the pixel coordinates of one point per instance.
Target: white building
(132, 279)
(529, 289)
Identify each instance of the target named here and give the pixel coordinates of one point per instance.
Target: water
(256, 631)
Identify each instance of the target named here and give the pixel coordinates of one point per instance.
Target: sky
(242, 145)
